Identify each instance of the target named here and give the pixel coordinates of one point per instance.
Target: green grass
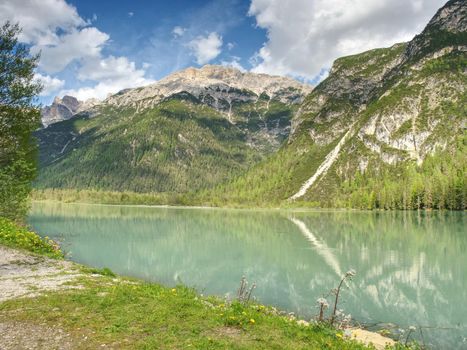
(135, 315)
(15, 236)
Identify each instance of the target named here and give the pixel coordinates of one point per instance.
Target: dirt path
(26, 275)
(23, 274)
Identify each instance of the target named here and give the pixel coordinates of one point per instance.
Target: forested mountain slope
(386, 129)
(191, 130)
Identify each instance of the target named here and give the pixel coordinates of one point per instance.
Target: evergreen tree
(18, 119)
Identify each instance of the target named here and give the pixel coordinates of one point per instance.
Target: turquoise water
(411, 267)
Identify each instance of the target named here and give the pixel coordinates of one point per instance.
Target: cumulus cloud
(50, 84)
(305, 36)
(206, 48)
(54, 28)
(78, 44)
(112, 74)
(40, 19)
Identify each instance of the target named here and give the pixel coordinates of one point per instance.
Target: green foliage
(15, 236)
(104, 271)
(18, 119)
(178, 146)
(434, 39)
(439, 183)
(368, 63)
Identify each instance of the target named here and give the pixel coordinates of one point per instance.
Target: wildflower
(322, 302)
(350, 273)
(412, 328)
(252, 321)
(173, 290)
(339, 335)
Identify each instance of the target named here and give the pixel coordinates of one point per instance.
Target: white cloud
(234, 63)
(112, 74)
(230, 46)
(78, 44)
(206, 48)
(178, 31)
(131, 14)
(305, 36)
(50, 84)
(40, 19)
(55, 28)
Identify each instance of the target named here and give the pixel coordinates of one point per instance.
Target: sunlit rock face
(64, 108)
(217, 86)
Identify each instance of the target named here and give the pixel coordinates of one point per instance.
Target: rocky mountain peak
(447, 28)
(451, 17)
(214, 74)
(219, 82)
(64, 108)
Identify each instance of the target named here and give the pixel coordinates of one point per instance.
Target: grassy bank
(113, 312)
(131, 314)
(15, 236)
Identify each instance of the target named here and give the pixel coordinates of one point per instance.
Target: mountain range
(192, 130)
(385, 129)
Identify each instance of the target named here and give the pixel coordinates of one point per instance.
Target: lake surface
(411, 267)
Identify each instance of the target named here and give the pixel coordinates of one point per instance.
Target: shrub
(12, 235)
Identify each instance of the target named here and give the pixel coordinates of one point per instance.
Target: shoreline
(258, 209)
(26, 277)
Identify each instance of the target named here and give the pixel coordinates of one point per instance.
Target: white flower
(350, 273)
(412, 328)
(322, 302)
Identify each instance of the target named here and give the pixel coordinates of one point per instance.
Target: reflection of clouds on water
(321, 247)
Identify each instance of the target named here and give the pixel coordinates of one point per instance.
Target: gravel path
(22, 274)
(26, 275)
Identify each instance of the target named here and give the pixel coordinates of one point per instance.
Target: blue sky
(143, 30)
(93, 48)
